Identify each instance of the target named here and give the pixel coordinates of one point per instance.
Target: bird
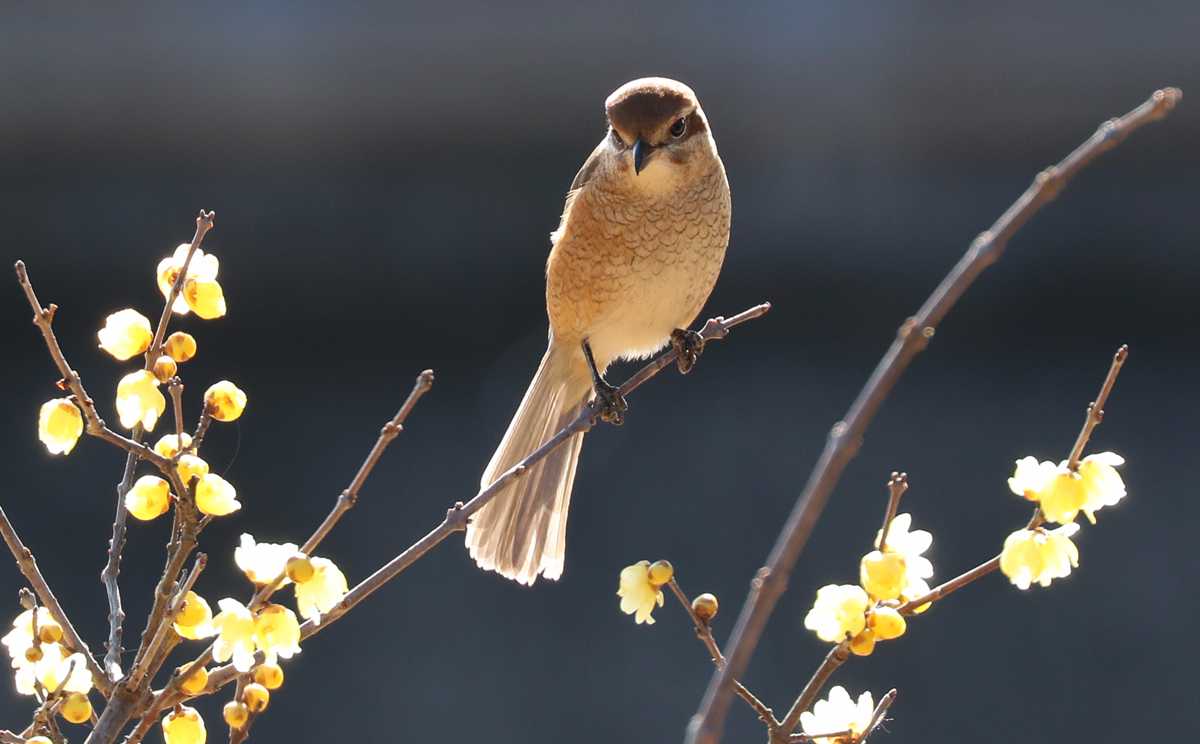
(637, 251)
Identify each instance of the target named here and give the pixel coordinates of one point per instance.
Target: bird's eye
(678, 128)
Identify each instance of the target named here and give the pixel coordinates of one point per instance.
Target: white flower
(837, 714)
(235, 626)
(838, 613)
(322, 592)
(264, 562)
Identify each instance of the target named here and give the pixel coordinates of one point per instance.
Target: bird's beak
(640, 151)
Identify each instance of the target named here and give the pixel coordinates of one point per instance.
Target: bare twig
(834, 659)
(154, 648)
(877, 717)
(704, 633)
(349, 497)
(201, 429)
(29, 568)
(846, 436)
(175, 387)
(1095, 409)
(455, 521)
(897, 485)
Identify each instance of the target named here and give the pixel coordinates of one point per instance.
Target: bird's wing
(585, 173)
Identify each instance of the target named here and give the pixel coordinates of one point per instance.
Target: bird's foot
(688, 346)
(608, 405)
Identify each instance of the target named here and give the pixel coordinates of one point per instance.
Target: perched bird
(635, 256)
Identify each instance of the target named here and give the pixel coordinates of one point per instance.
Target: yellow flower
(1101, 482)
(836, 714)
(638, 595)
(235, 640)
(168, 446)
(195, 619)
(139, 401)
(882, 574)
(126, 334)
(180, 346)
(59, 425)
(194, 683)
(76, 708)
(1031, 477)
(910, 544)
(277, 632)
(203, 266)
(205, 297)
(164, 368)
(215, 496)
(263, 562)
(235, 714)
(863, 644)
(319, 594)
(149, 498)
(52, 670)
(886, 623)
(184, 726)
(225, 401)
(838, 613)
(269, 676)
(1039, 555)
(916, 589)
(190, 467)
(20, 638)
(1063, 496)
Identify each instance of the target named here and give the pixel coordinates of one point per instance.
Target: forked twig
(846, 436)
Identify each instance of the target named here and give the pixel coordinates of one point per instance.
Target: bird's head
(659, 123)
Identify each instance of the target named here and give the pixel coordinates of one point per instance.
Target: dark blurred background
(385, 178)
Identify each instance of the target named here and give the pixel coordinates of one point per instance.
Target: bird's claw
(609, 405)
(688, 346)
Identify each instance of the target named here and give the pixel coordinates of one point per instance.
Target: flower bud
(661, 572)
(38, 740)
(887, 623)
(194, 683)
(165, 368)
(882, 574)
(863, 643)
(235, 714)
(49, 632)
(256, 697)
(180, 346)
(184, 726)
(269, 676)
(34, 653)
(60, 425)
(76, 708)
(300, 568)
(225, 401)
(194, 610)
(705, 606)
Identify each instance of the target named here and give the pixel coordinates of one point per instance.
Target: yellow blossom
(126, 334)
(190, 467)
(215, 496)
(838, 613)
(1063, 496)
(205, 297)
(149, 498)
(51, 672)
(139, 400)
(277, 632)
(1031, 477)
(916, 589)
(60, 425)
(235, 640)
(256, 697)
(235, 714)
(324, 589)
(184, 726)
(203, 266)
(1101, 482)
(194, 683)
(911, 544)
(168, 446)
(1039, 555)
(180, 346)
(194, 619)
(705, 606)
(225, 401)
(20, 638)
(38, 740)
(886, 623)
(638, 595)
(76, 708)
(882, 574)
(863, 644)
(836, 714)
(263, 562)
(165, 368)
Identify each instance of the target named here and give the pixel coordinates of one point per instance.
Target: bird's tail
(522, 532)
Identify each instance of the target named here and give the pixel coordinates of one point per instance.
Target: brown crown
(642, 106)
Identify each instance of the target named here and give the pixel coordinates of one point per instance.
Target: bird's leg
(688, 345)
(608, 405)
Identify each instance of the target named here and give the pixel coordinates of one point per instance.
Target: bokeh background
(385, 177)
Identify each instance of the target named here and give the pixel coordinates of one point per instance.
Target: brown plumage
(635, 256)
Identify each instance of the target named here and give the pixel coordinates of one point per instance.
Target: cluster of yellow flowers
(45, 667)
(894, 573)
(1039, 555)
(240, 632)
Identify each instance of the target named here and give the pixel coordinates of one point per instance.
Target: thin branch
(29, 568)
(846, 436)
(455, 521)
(349, 497)
(1095, 409)
(155, 647)
(949, 587)
(834, 659)
(877, 717)
(175, 387)
(897, 485)
(704, 633)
